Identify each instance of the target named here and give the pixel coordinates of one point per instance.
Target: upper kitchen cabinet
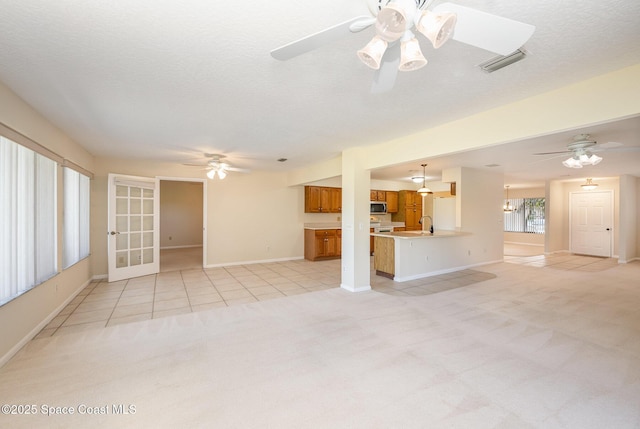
(392, 201)
(322, 199)
(409, 210)
(390, 197)
(409, 199)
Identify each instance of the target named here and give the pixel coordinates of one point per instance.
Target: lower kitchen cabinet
(322, 244)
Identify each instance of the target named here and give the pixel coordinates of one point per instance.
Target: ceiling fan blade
(562, 155)
(320, 38)
(552, 153)
(385, 77)
(484, 30)
(238, 170)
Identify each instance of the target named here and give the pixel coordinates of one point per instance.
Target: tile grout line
(116, 304)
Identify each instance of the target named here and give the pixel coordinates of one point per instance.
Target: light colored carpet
(531, 348)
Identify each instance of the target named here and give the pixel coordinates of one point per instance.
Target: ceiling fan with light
(215, 166)
(582, 151)
(394, 47)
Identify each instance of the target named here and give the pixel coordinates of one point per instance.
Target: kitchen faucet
(431, 227)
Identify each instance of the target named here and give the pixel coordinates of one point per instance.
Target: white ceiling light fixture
(589, 186)
(371, 55)
(411, 57)
(507, 207)
(424, 190)
(580, 159)
(437, 26)
(581, 155)
(216, 167)
(394, 22)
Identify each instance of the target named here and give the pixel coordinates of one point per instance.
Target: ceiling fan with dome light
(394, 46)
(215, 166)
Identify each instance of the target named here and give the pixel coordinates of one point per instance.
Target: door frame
(204, 207)
(612, 214)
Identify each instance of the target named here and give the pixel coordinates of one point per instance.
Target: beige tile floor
(170, 293)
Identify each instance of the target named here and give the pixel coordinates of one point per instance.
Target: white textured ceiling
(168, 80)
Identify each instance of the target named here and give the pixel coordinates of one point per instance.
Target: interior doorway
(182, 224)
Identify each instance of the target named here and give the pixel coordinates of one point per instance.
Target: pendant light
(424, 190)
(507, 207)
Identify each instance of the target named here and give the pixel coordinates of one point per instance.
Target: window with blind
(27, 219)
(527, 216)
(76, 217)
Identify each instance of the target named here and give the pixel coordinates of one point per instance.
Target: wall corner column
(356, 182)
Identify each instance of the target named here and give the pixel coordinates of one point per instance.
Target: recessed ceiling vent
(502, 61)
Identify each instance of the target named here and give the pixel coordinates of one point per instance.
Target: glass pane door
(133, 227)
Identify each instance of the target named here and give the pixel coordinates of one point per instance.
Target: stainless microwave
(378, 207)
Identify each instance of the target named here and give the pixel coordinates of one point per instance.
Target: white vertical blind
(27, 219)
(76, 217)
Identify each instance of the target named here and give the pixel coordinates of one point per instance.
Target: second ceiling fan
(394, 46)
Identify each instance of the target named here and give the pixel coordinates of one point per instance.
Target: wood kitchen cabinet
(335, 200)
(376, 195)
(322, 199)
(322, 244)
(409, 210)
(372, 246)
(392, 201)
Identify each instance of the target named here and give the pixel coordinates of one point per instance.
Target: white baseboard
(35, 331)
(523, 244)
(356, 289)
(188, 246)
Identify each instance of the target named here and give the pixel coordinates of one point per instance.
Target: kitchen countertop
(338, 225)
(408, 235)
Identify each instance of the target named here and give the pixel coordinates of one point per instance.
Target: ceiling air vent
(501, 61)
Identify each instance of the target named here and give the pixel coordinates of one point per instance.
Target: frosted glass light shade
(411, 57)
(572, 163)
(424, 191)
(437, 27)
(391, 22)
(371, 55)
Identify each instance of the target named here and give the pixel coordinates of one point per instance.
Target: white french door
(591, 224)
(133, 225)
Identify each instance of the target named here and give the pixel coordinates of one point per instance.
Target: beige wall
(30, 312)
(250, 217)
(629, 219)
(180, 213)
(480, 196)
